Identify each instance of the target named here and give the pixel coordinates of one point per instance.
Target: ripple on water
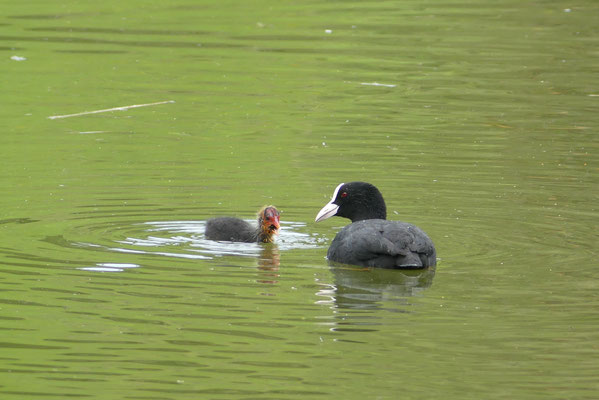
(110, 267)
(185, 239)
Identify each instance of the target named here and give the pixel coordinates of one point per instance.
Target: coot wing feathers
(382, 243)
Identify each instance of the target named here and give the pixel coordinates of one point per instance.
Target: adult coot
(370, 240)
(238, 230)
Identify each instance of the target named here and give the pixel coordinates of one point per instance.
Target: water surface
(477, 121)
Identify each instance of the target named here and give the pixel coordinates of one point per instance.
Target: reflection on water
(371, 288)
(270, 257)
(109, 267)
(167, 233)
(185, 239)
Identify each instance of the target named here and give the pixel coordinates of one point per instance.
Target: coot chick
(238, 230)
(370, 240)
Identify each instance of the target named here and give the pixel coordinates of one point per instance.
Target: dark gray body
(382, 243)
(231, 229)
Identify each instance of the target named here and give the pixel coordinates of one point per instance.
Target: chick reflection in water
(268, 264)
(366, 288)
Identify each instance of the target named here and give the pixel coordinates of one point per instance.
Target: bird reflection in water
(268, 263)
(369, 288)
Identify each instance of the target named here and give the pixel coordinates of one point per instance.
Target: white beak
(327, 211)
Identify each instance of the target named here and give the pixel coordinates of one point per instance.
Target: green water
(477, 120)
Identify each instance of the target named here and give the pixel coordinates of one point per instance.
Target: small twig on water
(110, 109)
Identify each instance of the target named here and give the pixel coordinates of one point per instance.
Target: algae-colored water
(478, 121)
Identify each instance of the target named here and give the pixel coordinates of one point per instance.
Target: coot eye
(343, 194)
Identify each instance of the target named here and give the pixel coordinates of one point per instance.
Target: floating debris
(18, 58)
(377, 84)
(110, 109)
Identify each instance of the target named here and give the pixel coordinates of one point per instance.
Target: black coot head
(356, 201)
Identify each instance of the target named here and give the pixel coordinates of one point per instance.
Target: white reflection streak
(328, 291)
(109, 267)
(160, 253)
(131, 251)
(378, 84)
(123, 108)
